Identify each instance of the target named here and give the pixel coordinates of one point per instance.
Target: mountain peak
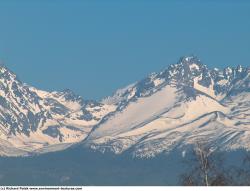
(239, 68)
(3, 68)
(190, 59)
(6, 73)
(188, 64)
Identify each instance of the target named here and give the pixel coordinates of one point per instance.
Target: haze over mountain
(173, 109)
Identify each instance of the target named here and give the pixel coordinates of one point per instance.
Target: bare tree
(203, 155)
(205, 168)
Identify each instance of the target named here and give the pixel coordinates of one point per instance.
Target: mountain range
(183, 104)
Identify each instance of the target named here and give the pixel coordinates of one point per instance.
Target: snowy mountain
(178, 107)
(172, 109)
(31, 119)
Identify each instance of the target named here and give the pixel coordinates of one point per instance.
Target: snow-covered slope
(173, 109)
(32, 119)
(182, 105)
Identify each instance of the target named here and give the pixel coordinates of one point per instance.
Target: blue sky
(94, 47)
